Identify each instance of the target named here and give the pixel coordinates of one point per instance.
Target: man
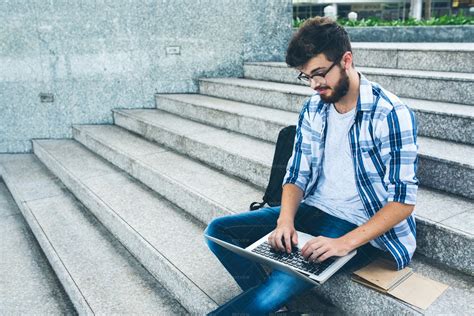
(350, 181)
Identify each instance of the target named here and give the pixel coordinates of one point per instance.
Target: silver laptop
(293, 263)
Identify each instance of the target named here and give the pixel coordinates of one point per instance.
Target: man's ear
(347, 60)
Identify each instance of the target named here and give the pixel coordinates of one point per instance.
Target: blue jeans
(262, 294)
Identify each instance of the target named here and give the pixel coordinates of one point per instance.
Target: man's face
(335, 83)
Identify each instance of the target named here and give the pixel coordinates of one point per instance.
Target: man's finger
(324, 256)
(295, 238)
(312, 245)
(317, 252)
(270, 239)
(309, 243)
(278, 243)
(288, 242)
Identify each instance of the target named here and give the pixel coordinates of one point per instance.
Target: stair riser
(164, 271)
(243, 168)
(429, 89)
(449, 177)
(258, 128)
(451, 128)
(450, 90)
(199, 206)
(415, 60)
(442, 245)
(74, 293)
(267, 98)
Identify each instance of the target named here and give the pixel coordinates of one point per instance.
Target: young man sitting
(350, 181)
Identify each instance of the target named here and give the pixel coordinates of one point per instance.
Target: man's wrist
(285, 219)
(349, 242)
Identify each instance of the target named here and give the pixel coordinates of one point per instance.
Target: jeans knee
(213, 227)
(266, 303)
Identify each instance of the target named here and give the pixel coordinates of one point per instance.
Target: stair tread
(462, 154)
(107, 276)
(425, 74)
(28, 282)
(180, 238)
(235, 107)
(445, 108)
(264, 85)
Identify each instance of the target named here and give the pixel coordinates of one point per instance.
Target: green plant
(373, 21)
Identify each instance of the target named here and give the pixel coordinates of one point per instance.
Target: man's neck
(349, 101)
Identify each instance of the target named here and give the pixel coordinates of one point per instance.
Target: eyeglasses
(318, 77)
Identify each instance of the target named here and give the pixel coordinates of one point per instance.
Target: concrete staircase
(119, 210)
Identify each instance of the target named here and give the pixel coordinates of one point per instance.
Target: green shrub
(373, 21)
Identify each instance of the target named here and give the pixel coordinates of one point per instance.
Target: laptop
(293, 263)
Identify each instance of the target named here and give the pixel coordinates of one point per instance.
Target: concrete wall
(97, 55)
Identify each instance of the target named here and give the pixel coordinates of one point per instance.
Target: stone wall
(93, 56)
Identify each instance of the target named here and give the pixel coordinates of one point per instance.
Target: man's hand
(284, 231)
(320, 248)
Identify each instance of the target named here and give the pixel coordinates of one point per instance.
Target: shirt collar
(366, 96)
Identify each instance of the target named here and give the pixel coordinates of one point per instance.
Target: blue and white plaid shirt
(384, 152)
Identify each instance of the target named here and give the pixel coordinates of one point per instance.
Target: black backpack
(283, 151)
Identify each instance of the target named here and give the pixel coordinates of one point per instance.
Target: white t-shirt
(336, 191)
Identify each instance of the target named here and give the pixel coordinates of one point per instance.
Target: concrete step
(236, 154)
(256, 121)
(98, 273)
(447, 170)
(453, 87)
(447, 121)
(457, 57)
(202, 191)
(29, 284)
(206, 193)
(167, 241)
(446, 166)
(441, 215)
(282, 96)
(435, 119)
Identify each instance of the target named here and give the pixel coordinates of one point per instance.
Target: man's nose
(314, 84)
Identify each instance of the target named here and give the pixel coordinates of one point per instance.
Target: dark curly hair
(317, 35)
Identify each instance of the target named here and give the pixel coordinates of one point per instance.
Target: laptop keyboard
(293, 259)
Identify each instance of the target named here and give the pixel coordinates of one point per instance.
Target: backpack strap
(256, 205)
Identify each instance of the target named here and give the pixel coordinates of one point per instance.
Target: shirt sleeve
(298, 169)
(399, 150)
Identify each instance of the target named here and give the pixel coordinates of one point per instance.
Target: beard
(339, 91)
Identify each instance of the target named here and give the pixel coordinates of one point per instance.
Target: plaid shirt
(384, 153)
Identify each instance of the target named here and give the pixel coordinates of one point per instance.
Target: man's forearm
(386, 218)
(290, 201)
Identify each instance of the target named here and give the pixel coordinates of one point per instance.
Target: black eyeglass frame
(304, 78)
